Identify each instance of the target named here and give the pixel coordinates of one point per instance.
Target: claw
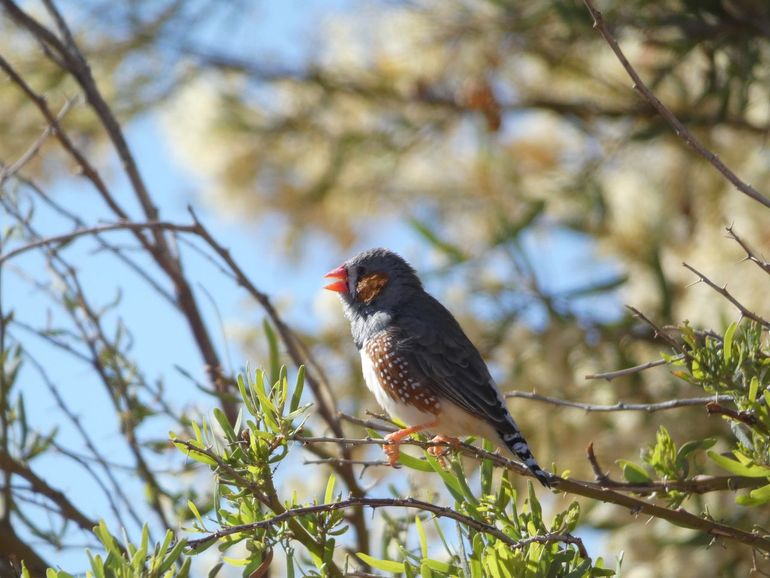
(439, 452)
(392, 450)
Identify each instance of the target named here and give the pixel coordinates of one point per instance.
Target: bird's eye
(360, 270)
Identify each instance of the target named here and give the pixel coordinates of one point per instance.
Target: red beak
(340, 286)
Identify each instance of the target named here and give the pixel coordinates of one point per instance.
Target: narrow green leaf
(192, 454)
(196, 513)
(739, 469)
(269, 411)
(487, 470)
(534, 506)
(247, 399)
(449, 480)
(423, 538)
(225, 424)
(272, 343)
(727, 343)
(457, 468)
(755, 497)
(329, 495)
(753, 389)
(299, 385)
(384, 565)
(414, 463)
(437, 565)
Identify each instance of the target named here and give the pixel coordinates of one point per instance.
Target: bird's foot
(393, 441)
(392, 451)
(439, 452)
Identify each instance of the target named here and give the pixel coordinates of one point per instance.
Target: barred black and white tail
(518, 445)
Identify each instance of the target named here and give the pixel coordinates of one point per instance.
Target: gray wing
(450, 364)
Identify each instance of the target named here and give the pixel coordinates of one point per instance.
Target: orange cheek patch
(369, 286)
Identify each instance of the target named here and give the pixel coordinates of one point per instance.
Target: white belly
(452, 420)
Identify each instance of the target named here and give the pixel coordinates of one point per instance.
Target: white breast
(406, 413)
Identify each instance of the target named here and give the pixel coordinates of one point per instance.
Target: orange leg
(439, 452)
(391, 448)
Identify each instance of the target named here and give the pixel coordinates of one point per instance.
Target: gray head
(374, 284)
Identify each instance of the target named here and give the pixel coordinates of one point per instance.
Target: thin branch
(106, 467)
(67, 237)
(597, 491)
(744, 417)
(680, 130)
(620, 406)
(610, 375)
(601, 476)
(11, 170)
(40, 486)
(265, 493)
(751, 255)
(659, 332)
(439, 511)
(726, 294)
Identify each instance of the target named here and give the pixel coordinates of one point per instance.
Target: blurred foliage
(480, 131)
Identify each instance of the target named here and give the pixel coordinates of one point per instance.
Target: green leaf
(247, 399)
(225, 424)
(437, 565)
(755, 497)
(457, 468)
(192, 454)
(196, 513)
(449, 480)
(634, 473)
(414, 463)
(727, 344)
(753, 389)
(329, 489)
(272, 342)
(487, 470)
(423, 538)
(299, 385)
(739, 469)
(173, 555)
(269, 411)
(691, 446)
(384, 565)
(534, 506)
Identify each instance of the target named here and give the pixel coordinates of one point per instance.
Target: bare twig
(726, 294)
(40, 486)
(67, 237)
(680, 130)
(600, 475)
(659, 332)
(621, 406)
(11, 170)
(610, 375)
(439, 511)
(744, 417)
(751, 255)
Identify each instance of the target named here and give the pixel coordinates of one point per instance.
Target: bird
(418, 362)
